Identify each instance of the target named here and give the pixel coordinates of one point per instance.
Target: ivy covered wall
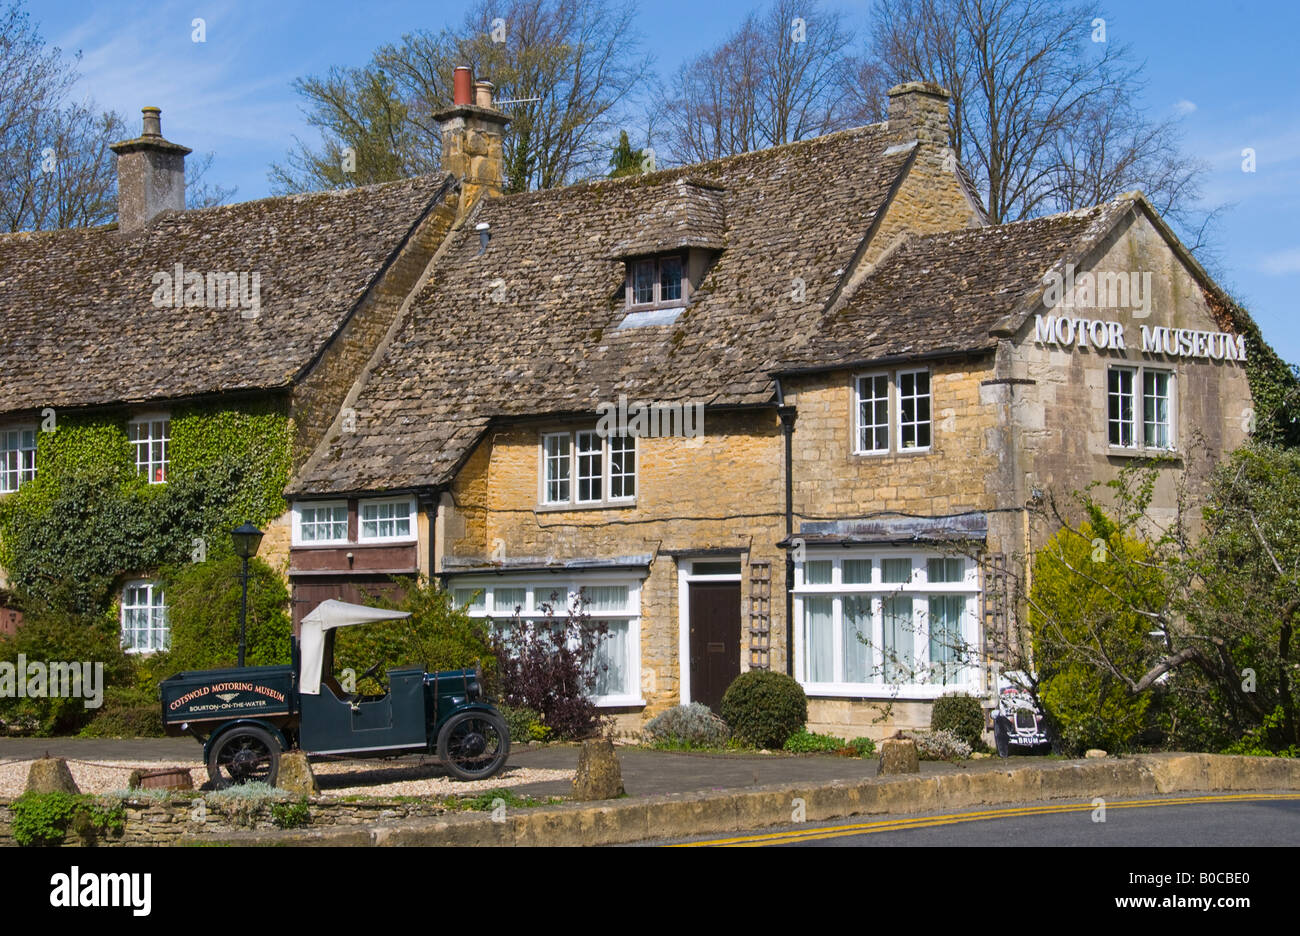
(87, 521)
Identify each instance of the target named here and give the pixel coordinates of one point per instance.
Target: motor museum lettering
(226, 696)
(1103, 334)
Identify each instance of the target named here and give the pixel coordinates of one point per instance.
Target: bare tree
(572, 68)
(199, 192)
(781, 76)
(1044, 112)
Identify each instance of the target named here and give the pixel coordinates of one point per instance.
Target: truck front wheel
(474, 745)
(242, 755)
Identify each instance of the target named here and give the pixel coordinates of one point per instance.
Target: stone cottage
(783, 410)
(745, 410)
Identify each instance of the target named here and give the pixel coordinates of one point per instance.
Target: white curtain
(898, 633)
(857, 632)
(818, 640)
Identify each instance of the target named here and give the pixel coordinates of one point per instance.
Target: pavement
(645, 772)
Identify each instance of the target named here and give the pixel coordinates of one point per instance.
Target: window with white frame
(914, 409)
(586, 468)
(555, 468)
(17, 457)
(886, 622)
(389, 519)
(912, 430)
(613, 602)
(150, 437)
(1140, 422)
(320, 522)
(144, 618)
(873, 413)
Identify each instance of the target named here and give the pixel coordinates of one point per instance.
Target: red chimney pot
(462, 86)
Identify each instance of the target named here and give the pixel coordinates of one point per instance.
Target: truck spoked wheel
(243, 755)
(474, 745)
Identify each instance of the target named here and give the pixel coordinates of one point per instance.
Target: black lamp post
(247, 538)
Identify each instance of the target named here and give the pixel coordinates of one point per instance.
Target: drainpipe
(787, 414)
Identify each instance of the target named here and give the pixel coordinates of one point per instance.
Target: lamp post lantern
(247, 538)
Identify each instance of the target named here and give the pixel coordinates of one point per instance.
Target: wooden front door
(714, 609)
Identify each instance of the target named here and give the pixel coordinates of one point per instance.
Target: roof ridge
(671, 174)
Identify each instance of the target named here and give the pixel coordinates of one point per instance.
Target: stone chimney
(473, 134)
(918, 110)
(150, 174)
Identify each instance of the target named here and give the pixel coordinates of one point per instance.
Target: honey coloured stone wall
(955, 475)
(721, 491)
(1062, 427)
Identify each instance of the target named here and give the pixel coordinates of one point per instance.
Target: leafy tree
(51, 635)
(437, 636)
(625, 161)
(552, 665)
(203, 600)
(1078, 617)
(1220, 610)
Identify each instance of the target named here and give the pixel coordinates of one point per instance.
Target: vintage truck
(246, 717)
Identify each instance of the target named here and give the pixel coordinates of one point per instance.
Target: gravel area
(336, 778)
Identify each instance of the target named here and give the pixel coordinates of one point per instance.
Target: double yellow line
(926, 822)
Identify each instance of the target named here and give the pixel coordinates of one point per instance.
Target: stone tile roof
(78, 326)
(940, 293)
(681, 213)
(530, 325)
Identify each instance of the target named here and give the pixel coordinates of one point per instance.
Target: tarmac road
(1246, 819)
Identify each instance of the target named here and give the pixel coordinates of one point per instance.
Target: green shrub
(1086, 587)
(203, 600)
(437, 636)
(687, 726)
(52, 636)
(865, 747)
(128, 712)
(962, 715)
(764, 708)
(524, 724)
(290, 815)
(806, 742)
(46, 818)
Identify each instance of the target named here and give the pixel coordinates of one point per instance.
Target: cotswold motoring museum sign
(1103, 334)
(1121, 290)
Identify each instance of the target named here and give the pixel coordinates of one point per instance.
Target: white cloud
(1185, 107)
(1281, 262)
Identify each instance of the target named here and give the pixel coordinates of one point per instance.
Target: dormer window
(656, 283)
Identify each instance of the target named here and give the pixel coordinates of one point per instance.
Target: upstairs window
(17, 458)
(584, 468)
(912, 409)
(386, 520)
(1140, 408)
(655, 283)
(149, 442)
(322, 523)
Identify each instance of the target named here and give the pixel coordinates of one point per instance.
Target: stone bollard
(1094, 752)
(599, 776)
(898, 756)
(51, 775)
(295, 775)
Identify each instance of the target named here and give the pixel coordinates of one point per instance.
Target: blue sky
(1230, 70)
